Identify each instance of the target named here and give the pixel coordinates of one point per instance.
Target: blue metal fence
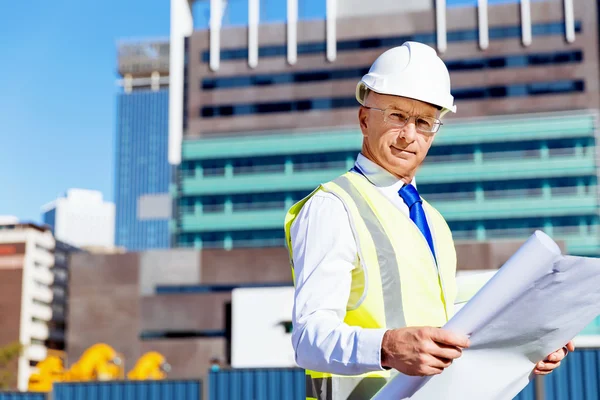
(578, 378)
(528, 393)
(263, 384)
(22, 396)
(128, 390)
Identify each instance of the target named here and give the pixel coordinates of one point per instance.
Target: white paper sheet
(533, 305)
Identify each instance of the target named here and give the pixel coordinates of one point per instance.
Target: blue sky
(57, 89)
(57, 94)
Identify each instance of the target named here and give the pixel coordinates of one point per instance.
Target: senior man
(373, 263)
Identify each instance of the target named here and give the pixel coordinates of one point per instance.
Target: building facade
(491, 178)
(142, 171)
(26, 268)
(519, 155)
(81, 218)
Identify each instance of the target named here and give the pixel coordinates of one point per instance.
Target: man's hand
(553, 360)
(421, 351)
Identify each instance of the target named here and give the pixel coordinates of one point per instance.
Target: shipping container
(22, 396)
(129, 390)
(259, 384)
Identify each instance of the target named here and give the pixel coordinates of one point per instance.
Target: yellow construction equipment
(98, 363)
(151, 365)
(50, 370)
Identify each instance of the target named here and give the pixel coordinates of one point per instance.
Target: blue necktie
(412, 199)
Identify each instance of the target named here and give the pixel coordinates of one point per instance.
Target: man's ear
(363, 120)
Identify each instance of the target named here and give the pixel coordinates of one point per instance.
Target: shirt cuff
(369, 348)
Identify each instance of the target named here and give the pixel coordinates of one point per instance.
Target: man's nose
(409, 132)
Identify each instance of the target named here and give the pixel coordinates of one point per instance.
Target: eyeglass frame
(410, 117)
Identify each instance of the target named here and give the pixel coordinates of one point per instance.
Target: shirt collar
(377, 175)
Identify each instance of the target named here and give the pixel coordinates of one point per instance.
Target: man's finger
(571, 346)
(538, 372)
(543, 366)
(557, 356)
(449, 338)
(445, 351)
(438, 362)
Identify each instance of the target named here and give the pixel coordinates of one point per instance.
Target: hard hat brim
(361, 91)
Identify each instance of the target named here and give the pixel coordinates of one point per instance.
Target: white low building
(82, 218)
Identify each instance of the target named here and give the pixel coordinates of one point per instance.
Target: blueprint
(533, 305)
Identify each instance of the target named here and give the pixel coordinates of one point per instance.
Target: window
(60, 275)
(188, 169)
(213, 167)
(495, 33)
(58, 308)
(541, 88)
(213, 204)
(185, 239)
(58, 291)
(258, 238)
(323, 161)
(258, 201)
(251, 238)
(520, 226)
(506, 189)
(532, 89)
(212, 239)
(156, 335)
(570, 142)
(446, 187)
(60, 258)
(253, 165)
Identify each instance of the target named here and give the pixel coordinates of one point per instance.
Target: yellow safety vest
(397, 282)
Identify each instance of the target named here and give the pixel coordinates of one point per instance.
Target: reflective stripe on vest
(386, 258)
(397, 274)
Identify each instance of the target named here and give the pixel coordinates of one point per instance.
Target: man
(374, 264)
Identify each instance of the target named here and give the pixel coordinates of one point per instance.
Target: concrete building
(268, 122)
(26, 304)
(81, 218)
(142, 171)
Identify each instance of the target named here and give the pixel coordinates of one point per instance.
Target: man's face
(399, 150)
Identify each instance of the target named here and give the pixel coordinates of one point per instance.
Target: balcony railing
(526, 193)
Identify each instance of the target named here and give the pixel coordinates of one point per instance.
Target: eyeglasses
(426, 125)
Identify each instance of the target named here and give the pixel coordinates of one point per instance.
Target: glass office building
(142, 170)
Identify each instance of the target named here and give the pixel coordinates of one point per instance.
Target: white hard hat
(412, 70)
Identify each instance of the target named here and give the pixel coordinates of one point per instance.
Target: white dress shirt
(325, 253)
